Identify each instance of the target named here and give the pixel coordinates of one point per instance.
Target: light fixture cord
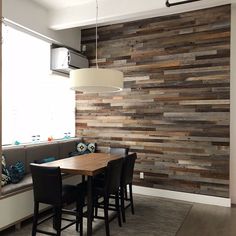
(97, 34)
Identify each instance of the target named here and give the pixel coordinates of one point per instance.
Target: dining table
(86, 165)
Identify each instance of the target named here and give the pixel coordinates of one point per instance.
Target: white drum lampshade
(96, 80)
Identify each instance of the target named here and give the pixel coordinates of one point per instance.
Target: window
(34, 101)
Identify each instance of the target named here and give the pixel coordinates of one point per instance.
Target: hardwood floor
(207, 220)
(159, 217)
(153, 217)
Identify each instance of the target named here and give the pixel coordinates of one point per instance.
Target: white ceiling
(64, 14)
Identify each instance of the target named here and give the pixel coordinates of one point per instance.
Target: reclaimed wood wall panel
(174, 109)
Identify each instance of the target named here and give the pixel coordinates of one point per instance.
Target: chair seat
(71, 193)
(98, 186)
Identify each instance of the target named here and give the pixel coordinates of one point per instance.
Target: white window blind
(34, 101)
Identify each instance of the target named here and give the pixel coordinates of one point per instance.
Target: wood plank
(174, 109)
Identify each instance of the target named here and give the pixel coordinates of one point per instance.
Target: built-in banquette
(16, 200)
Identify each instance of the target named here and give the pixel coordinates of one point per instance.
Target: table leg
(90, 206)
(83, 179)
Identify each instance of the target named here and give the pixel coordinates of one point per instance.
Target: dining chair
(107, 187)
(119, 151)
(123, 152)
(127, 180)
(116, 151)
(48, 189)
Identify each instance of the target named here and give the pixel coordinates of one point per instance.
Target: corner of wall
(233, 105)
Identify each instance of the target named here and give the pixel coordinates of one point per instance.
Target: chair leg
(35, 218)
(118, 208)
(54, 220)
(81, 219)
(131, 198)
(77, 216)
(122, 203)
(126, 193)
(106, 203)
(96, 207)
(58, 221)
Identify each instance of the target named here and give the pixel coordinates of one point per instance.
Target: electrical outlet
(141, 175)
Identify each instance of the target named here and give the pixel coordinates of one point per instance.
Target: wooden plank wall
(174, 110)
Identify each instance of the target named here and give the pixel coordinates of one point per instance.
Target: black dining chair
(119, 151)
(127, 180)
(107, 187)
(48, 189)
(123, 152)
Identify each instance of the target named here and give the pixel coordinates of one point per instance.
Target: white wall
(28, 14)
(233, 106)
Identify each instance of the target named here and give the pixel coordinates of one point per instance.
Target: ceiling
(64, 14)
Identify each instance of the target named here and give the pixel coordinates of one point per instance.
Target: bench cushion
(39, 152)
(24, 183)
(31, 153)
(67, 147)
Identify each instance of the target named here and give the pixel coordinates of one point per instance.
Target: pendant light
(95, 80)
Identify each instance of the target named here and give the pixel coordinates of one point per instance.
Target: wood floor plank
(207, 220)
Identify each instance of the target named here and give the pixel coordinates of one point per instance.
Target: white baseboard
(188, 197)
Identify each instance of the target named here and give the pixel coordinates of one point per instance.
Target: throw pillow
(5, 174)
(81, 148)
(84, 148)
(17, 172)
(91, 147)
(45, 160)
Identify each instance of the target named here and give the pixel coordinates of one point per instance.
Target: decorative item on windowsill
(37, 138)
(33, 138)
(50, 138)
(16, 142)
(67, 135)
(95, 80)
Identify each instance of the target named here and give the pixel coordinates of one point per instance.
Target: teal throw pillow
(17, 172)
(45, 160)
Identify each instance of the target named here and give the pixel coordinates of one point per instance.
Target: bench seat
(24, 183)
(29, 154)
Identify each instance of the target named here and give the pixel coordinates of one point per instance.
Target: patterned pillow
(5, 174)
(92, 147)
(84, 148)
(17, 172)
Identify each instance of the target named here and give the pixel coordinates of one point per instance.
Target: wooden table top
(88, 164)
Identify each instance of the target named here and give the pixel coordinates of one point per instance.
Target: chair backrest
(119, 151)
(128, 169)
(47, 184)
(113, 176)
